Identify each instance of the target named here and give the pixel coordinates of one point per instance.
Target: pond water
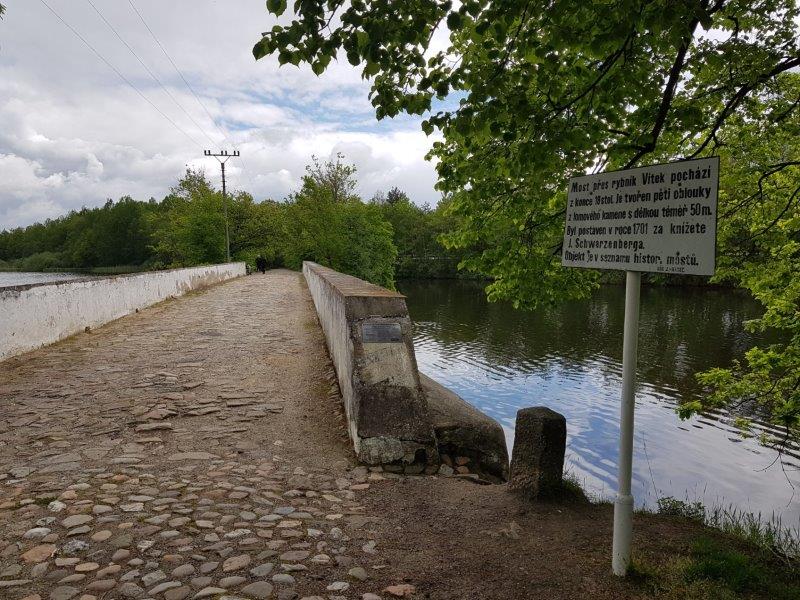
(569, 358)
(9, 278)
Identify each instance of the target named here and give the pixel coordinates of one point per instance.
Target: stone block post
(537, 460)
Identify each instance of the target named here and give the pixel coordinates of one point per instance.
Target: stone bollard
(537, 461)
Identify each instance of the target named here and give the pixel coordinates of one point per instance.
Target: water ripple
(569, 359)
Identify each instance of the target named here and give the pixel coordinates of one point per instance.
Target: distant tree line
(386, 238)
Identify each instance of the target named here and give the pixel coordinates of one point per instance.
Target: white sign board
(658, 219)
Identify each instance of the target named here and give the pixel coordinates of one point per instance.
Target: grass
(571, 489)
(716, 570)
(758, 558)
(767, 534)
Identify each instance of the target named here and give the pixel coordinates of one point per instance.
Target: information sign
(658, 219)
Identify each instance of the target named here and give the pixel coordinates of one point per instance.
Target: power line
(146, 68)
(177, 70)
(119, 74)
(225, 137)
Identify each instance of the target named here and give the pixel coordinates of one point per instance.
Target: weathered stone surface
(358, 573)
(178, 593)
(464, 430)
(36, 533)
(262, 570)
(208, 592)
(163, 587)
(39, 553)
(283, 578)
(235, 563)
(76, 520)
(11, 583)
(63, 592)
(295, 555)
(368, 331)
(191, 456)
(537, 460)
(402, 590)
(183, 571)
(101, 585)
(259, 590)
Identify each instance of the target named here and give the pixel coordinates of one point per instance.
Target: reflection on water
(569, 358)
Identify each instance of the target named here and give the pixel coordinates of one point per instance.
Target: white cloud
(73, 134)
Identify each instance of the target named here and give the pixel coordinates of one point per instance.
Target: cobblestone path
(193, 450)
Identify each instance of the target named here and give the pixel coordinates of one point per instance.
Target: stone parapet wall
(35, 315)
(369, 337)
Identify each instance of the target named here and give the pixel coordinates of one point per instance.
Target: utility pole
(222, 156)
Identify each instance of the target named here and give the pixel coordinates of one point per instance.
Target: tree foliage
(417, 233)
(759, 249)
(324, 221)
(327, 223)
(530, 93)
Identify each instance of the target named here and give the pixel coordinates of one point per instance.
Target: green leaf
(276, 7)
(454, 21)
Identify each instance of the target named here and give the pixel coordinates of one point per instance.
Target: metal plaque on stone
(381, 333)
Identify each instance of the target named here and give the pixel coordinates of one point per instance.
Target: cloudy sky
(73, 133)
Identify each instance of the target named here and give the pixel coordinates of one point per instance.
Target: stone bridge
(193, 449)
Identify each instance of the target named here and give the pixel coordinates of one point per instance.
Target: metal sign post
(657, 219)
(623, 505)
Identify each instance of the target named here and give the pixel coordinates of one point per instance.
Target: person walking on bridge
(261, 264)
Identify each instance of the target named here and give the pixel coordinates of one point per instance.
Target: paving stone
(63, 592)
(163, 587)
(208, 592)
(36, 533)
(76, 520)
(39, 553)
(130, 590)
(229, 582)
(12, 583)
(109, 570)
(295, 555)
(262, 570)
(191, 456)
(358, 573)
(259, 590)
(184, 570)
(153, 578)
(120, 555)
(200, 582)
(178, 593)
(121, 541)
(235, 563)
(11, 571)
(101, 585)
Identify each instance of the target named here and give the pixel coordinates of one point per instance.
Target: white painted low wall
(35, 315)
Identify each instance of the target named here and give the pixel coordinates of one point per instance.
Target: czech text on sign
(660, 219)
